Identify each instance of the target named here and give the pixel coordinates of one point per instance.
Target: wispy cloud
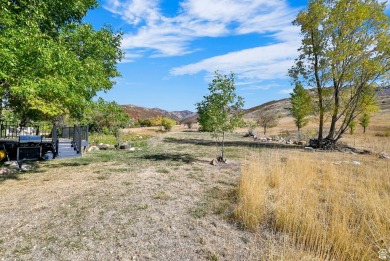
(172, 36)
(254, 64)
(286, 91)
(157, 35)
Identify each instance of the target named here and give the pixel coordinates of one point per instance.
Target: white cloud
(286, 91)
(261, 86)
(255, 64)
(171, 36)
(134, 11)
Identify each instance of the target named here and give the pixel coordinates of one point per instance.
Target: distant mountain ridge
(276, 106)
(136, 112)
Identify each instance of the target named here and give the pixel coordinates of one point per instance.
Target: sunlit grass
(332, 208)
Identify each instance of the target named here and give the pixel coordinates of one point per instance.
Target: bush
(168, 123)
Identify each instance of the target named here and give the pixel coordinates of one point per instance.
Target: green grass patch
(96, 138)
(164, 170)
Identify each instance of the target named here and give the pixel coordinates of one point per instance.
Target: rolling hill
(276, 106)
(137, 112)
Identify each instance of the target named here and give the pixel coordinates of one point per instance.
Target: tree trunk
(319, 89)
(364, 129)
(334, 114)
(223, 146)
(265, 130)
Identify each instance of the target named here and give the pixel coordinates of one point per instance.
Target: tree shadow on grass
(185, 158)
(248, 144)
(9, 176)
(71, 164)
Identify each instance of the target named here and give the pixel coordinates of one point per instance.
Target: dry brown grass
(331, 207)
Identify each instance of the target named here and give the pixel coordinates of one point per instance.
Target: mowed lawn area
(165, 201)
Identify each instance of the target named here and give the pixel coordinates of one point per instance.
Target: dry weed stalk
(338, 212)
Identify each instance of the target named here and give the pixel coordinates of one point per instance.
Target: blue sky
(174, 47)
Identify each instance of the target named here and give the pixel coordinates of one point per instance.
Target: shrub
(168, 123)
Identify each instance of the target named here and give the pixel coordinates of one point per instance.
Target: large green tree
(345, 50)
(220, 111)
(51, 63)
(106, 117)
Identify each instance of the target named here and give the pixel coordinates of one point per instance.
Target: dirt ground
(164, 202)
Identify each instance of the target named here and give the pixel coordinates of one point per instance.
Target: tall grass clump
(334, 210)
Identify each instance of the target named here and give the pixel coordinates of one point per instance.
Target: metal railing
(12, 130)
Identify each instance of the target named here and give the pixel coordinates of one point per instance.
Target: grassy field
(165, 201)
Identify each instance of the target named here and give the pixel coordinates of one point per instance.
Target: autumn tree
(300, 106)
(344, 51)
(267, 120)
(220, 111)
(168, 123)
(51, 62)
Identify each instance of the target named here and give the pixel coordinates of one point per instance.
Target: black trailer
(40, 141)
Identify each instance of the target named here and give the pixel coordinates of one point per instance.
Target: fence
(12, 130)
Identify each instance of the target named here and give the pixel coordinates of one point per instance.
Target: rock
(7, 171)
(132, 149)
(104, 146)
(302, 142)
(357, 163)
(214, 162)
(124, 146)
(26, 167)
(383, 155)
(11, 163)
(92, 148)
(308, 149)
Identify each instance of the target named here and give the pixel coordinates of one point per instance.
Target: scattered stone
(349, 151)
(26, 167)
(357, 163)
(214, 162)
(125, 146)
(383, 155)
(7, 171)
(104, 146)
(11, 163)
(92, 148)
